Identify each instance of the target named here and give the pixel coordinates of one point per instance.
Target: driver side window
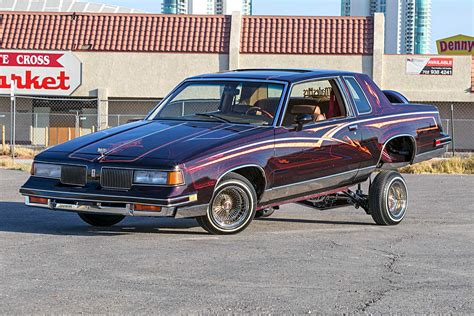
(321, 99)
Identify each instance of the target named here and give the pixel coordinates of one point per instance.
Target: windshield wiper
(214, 117)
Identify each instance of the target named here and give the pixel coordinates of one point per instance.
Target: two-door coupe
(228, 147)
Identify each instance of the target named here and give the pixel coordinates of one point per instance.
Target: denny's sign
(456, 45)
(39, 72)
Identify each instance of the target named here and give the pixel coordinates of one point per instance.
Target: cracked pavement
(297, 261)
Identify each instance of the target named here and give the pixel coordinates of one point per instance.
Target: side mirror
(302, 119)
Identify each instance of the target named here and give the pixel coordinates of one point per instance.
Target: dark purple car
(226, 148)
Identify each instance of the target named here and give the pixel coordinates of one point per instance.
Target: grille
(74, 175)
(116, 178)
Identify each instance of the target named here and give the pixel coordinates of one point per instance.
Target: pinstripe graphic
(308, 142)
(104, 159)
(121, 145)
(382, 124)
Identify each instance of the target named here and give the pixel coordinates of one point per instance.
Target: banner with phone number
(431, 66)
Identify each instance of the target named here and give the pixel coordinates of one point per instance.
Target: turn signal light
(175, 178)
(38, 200)
(146, 208)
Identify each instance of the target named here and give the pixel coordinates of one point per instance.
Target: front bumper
(176, 207)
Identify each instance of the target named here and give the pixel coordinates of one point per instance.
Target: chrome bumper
(98, 208)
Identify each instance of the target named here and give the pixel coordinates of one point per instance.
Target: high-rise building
(174, 7)
(407, 22)
(206, 6)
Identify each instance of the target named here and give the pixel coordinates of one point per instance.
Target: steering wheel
(258, 109)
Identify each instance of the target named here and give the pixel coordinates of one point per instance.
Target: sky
(450, 17)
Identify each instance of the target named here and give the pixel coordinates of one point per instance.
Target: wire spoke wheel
(230, 207)
(397, 199)
(388, 198)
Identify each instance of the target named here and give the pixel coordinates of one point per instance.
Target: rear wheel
(388, 198)
(232, 207)
(100, 219)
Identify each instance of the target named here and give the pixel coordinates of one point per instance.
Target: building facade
(206, 6)
(408, 22)
(127, 67)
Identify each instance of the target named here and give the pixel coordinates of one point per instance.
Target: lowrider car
(228, 147)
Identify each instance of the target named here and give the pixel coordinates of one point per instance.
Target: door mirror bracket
(302, 119)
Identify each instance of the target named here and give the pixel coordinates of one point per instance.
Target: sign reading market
(456, 45)
(39, 72)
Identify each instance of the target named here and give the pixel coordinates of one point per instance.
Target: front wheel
(232, 207)
(388, 198)
(101, 220)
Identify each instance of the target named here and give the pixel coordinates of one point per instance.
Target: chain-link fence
(122, 111)
(458, 122)
(40, 122)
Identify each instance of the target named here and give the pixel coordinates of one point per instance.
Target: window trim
(352, 97)
(337, 79)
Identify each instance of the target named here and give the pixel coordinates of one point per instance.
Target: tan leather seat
(318, 116)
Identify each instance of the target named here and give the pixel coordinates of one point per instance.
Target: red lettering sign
(30, 60)
(39, 72)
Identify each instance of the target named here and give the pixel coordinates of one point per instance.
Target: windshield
(244, 102)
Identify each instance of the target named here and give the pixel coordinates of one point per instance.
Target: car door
(323, 154)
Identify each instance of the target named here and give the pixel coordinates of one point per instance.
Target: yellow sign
(456, 45)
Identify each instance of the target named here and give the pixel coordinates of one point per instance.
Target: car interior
(323, 107)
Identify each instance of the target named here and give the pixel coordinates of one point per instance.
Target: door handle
(353, 127)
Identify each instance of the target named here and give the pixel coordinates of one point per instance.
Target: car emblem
(93, 173)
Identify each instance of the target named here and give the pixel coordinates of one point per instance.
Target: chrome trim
(321, 183)
(170, 201)
(98, 209)
(352, 97)
(185, 212)
(288, 97)
(346, 98)
(415, 147)
(245, 166)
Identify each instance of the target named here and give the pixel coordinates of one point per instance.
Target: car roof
(288, 75)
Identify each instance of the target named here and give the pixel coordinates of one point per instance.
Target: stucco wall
(455, 88)
(142, 75)
(357, 63)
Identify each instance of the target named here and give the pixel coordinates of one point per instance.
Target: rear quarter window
(358, 96)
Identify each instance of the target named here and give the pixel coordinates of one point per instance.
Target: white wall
(142, 75)
(455, 88)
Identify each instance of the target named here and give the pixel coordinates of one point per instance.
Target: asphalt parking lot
(297, 261)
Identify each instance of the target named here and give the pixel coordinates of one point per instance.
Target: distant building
(174, 7)
(407, 26)
(62, 6)
(206, 6)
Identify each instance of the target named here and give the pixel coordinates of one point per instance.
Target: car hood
(164, 140)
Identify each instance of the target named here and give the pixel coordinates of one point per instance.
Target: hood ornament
(101, 151)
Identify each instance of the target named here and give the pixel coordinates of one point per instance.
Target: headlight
(46, 170)
(158, 177)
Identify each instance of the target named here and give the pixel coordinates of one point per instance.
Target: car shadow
(313, 221)
(15, 217)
